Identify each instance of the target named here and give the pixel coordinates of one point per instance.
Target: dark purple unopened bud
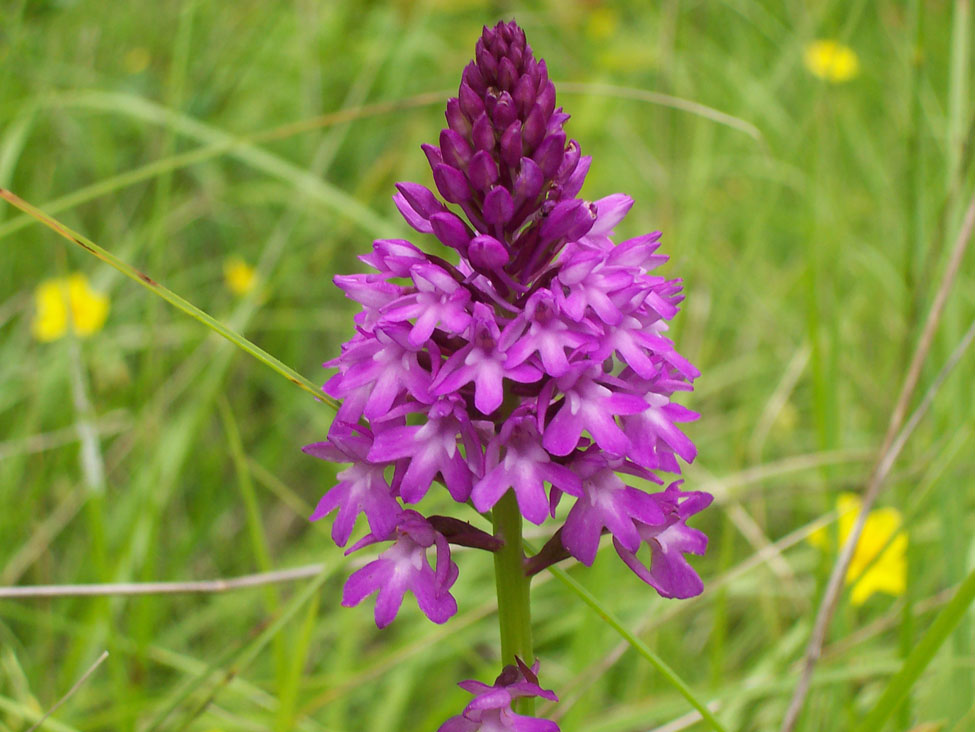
(487, 254)
(456, 119)
(530, 179)
(451, 183)
(421, 199)
(583, 221)
(516, 54)
(511, 151)
(454, 149)
(433, 154)
(486, 63)
(499, 47)
(541, 75)
(507, 74)
(490, 100)
(504, 112)
(498, 207)
(453, 232)
(568, 220)
(569, 160)
(573, 185)
(518, 36)
(470, 101)
(474, 78)
(418, 222)
(483, 133)
(550, 153)
(556, 121)
(524, 95)
(483, 171)
(546, 98)
(534, 128)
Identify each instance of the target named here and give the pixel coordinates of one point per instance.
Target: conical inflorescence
(526, 351)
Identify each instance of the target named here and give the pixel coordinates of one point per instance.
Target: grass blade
(224, 145)
(240, 656)
(901, 683)
(639, 646)
(171, 297)
(303, 180)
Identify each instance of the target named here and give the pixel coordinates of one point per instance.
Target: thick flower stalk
(524, 360)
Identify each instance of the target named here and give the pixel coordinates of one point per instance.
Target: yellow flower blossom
(67, 302)
(832, 61)
(869, 573)
(239, 276)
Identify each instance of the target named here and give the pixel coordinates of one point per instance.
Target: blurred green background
(810, 219)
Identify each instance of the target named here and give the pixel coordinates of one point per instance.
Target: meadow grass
(812, 223)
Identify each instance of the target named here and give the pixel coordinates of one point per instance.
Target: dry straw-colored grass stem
(71, 692)
(894, 441)
(163, 588)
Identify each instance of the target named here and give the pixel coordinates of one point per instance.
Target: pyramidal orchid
(523, 360)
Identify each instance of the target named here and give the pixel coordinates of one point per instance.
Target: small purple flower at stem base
(490, 710)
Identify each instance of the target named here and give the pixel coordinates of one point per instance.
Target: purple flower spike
(490, 710)
(514, 346)
(402, 567)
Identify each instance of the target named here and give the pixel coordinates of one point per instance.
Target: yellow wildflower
(67, 302)
(239, 276)
(869, 573)
(832, 61)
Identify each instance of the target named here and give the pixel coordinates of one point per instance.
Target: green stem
(514, 603)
